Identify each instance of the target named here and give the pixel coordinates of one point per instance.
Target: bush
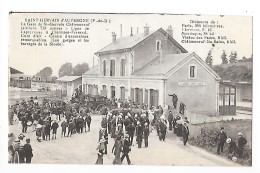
(207, 138)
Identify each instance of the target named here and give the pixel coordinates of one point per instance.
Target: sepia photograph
(130, 89)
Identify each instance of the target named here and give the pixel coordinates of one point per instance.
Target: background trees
(68, 70)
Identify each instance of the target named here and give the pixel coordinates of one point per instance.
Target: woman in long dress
(100, 151)
(117, 149)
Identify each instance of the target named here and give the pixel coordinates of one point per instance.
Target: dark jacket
(126, 146)
(130, 130)
(222, 137)
(28, 150)
(185, 131)
(241, 142)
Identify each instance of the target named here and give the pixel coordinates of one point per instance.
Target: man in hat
(126, 149)
(222, 137)
(241, 142)
(28, 151)
(185, 133)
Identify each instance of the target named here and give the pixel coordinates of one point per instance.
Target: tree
(233, 57)
(224, 57)
(65, 70)
(80, 69)
(209, 60)
(46, 72)
(53, 79)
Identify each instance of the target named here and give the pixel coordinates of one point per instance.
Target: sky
(32, 59)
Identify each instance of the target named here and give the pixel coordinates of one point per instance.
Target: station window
(158, 45)
(104, 67)
(192, 71)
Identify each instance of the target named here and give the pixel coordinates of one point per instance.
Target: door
(227, 99)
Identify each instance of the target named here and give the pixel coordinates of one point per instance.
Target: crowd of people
(127, 122)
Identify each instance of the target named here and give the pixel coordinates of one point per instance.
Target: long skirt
(100, 158)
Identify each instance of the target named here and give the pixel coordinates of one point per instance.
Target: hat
(240, 134)
(16, 140)
(222, 128)
(228, 140)
(21, 136)
(145, 124)
(102, 140)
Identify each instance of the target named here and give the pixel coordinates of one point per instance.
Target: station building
(148, 67)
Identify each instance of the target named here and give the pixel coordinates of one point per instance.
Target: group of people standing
(234, 149)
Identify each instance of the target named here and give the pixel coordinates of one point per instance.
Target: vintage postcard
(130, 89)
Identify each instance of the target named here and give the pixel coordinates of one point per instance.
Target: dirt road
(81, 149)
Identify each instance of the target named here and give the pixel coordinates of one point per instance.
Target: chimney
(170, 31)
(146, 30)
(113, 36)
(131, 31)
(121, 30)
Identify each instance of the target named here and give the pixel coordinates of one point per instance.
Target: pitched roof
(155, 67)
(94, 71)
(15, 71)
(129, 42)
(171, 63)
(68, 78)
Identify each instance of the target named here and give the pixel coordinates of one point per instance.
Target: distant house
(69, 84)
(20, 80)
(243, 86)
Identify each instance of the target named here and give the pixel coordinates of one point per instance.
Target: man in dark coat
(139, 134)
(170, 119)
(47, 130)
(174, 100)
(185, 133)
(54, 128)
(88, 119)
(64, 126)
(28, 151)
(126, 150)
(70, 128)
(182, 108)
(232, 148)
(130, 130)
(222, 137)
(162, 130)
(241, 142)
(146, 134)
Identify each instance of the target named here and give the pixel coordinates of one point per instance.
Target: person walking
(170, 120)
(130, 130)
(88, 119)
(100, 151)
(241, 142)
(139, 134)
(64, 126)
(126, 149)
(146, 134)
(185, 133)
(117, 149)
(28, 151)
(70, 128)
(222, 137)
